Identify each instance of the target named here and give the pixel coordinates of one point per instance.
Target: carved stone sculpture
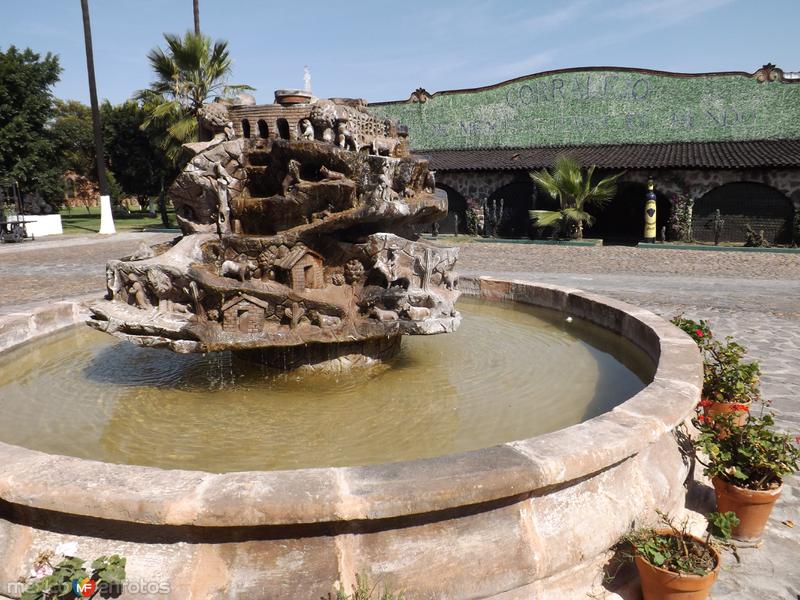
(306, 130)
(292, 251)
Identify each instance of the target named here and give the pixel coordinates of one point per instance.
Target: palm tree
(574, 192)
(189, 73)
(106, 217)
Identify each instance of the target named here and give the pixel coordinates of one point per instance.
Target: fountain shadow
(126, 365)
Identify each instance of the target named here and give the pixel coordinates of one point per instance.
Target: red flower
(740, 407)
(698, 332)
(701, 418)
(705, 403)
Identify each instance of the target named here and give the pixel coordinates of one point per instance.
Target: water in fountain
(510, 372)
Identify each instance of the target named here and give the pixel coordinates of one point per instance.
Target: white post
(106, 217)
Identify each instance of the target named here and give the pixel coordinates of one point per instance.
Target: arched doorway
(518, 198)
(263, 130)
(621, 221)
(246, 128)
(283, 129)
(740, 204)
(456, 206)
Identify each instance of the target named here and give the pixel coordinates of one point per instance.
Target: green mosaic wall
(602, 107)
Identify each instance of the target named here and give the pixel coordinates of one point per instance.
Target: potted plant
(746, 466)
(730, 384)
(673, 564)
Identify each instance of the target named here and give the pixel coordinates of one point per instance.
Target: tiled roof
(710, 155)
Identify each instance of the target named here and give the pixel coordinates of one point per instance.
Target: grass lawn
(79, 221)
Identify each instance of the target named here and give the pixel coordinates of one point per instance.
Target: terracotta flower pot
(753, 507)
(726, 408)
(660, 584)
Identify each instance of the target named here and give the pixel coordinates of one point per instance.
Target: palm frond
(577, 215)
(545, 218)
(546, 182)
(184, 130)
(237, 87)
(189, 71)
(604, 190)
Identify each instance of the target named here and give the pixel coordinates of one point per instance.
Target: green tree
(140, 166)
(189, 72)
(27, 154)
(72, 138)
(575, 192)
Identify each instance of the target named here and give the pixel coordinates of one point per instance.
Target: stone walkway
(59, 267)
(755, 297)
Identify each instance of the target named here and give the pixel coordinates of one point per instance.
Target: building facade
(730, 141)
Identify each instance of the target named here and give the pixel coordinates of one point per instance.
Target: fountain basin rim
(150, 495)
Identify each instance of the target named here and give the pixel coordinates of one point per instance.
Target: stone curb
(155, 496)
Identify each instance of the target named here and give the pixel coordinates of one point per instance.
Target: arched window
(246, 128)
(283, 129)
(263, 130)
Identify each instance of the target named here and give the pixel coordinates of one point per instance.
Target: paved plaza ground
(753, 296)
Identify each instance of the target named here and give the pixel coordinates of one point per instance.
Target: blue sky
(384, 50)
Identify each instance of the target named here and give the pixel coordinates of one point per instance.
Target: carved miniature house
(301, 269)
(244, 314)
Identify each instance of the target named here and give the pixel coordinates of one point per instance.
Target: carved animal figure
(324, 320)
(345, 139)
(383, 146)
(383, 315)
(430, 181)
(292, 177)
(450, 280)
(241, 268)
(331, 175)
(306, 130)
(416, 313)
(144, 251)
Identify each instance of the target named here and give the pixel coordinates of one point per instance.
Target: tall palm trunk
(98, 132)
(196, 4)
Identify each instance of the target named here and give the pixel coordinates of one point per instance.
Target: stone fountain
(295, 252)
(302, 251)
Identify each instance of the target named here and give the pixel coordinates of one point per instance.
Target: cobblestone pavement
(755, 297)
(54, 268)
(625, 259)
